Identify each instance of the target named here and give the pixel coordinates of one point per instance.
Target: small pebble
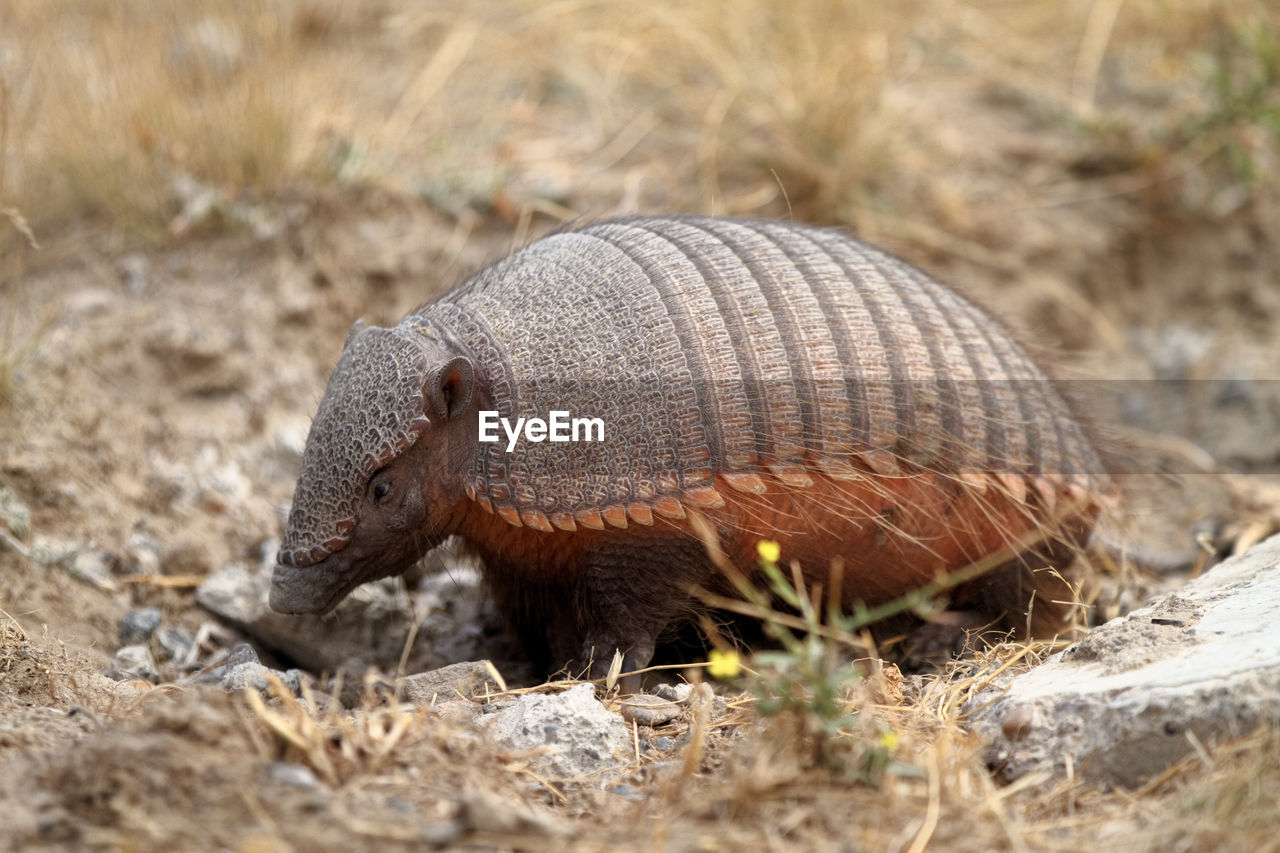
(134, 269)
(247, 675)
(288, 773)
(133, 662)
(174, 642)
(628, 792)
(138, 625)
(144, 554)
(255, 676)
(292, 679)
(242, 653)
(94, 567)
(1018, 721)
(675, 692)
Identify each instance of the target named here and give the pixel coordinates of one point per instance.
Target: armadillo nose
(291, 593)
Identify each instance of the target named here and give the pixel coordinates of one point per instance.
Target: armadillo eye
(381, 490)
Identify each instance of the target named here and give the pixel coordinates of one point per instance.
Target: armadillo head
(381, 459)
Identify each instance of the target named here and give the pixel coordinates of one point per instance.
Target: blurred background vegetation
(153, 116)
(1107, 168)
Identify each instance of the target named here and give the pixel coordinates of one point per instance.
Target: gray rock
(570, 735)
(255, 676)
(252, 676)
(133, 662)
(1197, 667)
(138, 625)
(663, 743)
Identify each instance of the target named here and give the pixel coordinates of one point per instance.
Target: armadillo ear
(448, 388)
(356, 328)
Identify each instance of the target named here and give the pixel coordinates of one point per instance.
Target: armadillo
(777, 381)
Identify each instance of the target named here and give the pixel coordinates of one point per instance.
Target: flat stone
(466, 680)
(1199, 666)
(649, 710)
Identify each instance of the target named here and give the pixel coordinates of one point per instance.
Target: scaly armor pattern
(734, 348)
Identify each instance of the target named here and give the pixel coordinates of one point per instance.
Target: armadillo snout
(310, 589)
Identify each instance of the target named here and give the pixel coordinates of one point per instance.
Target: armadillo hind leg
(1033, 594)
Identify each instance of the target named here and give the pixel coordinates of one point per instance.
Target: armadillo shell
(721, 352)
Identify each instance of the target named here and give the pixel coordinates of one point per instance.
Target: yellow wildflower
(724, 665)
(769, 550)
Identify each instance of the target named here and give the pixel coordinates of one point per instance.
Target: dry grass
(112, 105)
(750, 107)
(403, 775)
(148, 114)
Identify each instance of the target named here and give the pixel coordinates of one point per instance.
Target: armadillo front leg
(627, 596)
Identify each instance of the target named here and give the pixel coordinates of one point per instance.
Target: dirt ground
(164, 345)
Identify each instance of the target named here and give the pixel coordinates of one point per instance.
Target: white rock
(570, 735)
(1199, 666)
